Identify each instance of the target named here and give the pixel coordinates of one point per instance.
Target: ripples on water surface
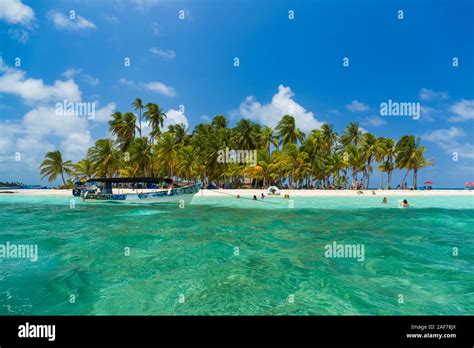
(191, 251)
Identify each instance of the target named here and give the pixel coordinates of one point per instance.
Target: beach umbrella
(428, 182)
(469, 184)
(273, 190)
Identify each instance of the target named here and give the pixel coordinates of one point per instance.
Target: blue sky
(284, 63)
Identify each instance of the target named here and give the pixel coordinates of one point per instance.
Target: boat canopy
(148, 180)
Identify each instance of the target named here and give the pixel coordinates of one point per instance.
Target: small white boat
(102, 190)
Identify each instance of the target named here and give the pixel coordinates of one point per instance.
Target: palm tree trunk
(389, 180)
(405, 177)
(140, 128)
(381, 181)
(415, 174)
(62, 177)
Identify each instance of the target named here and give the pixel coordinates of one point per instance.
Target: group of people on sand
(356, 186)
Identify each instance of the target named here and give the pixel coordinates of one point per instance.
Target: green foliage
(284, 153)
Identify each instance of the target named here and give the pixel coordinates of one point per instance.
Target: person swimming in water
(263, 196)
(254, 197)
(385, 200)
(404, 204)
(238, 196)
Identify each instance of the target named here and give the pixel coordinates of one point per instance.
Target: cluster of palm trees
(285, 155)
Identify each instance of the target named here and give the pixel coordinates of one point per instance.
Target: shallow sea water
(281, 252)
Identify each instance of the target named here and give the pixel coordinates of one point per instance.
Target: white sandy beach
(292, 193)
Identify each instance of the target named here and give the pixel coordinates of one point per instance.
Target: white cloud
(127, 83)
(15, 12)
(60, 21)
(449, 134)
(357, 106)
(449, 140)
(205, 118)
(174, 117)
(464, 110)
(41, 129)
(144, 4)
(375, 121)
(429, 94)
(71, 72)
(153, 86)
(42, 121)
(103, 114)
(160, 88)
(74, 146)
(22, 35)
(156, 29)
(111, 19)
(170, 54)
(36, 134)
(32, 150)
(282, 104)
(14, 82)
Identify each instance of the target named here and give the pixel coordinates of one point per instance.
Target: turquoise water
(281, 255)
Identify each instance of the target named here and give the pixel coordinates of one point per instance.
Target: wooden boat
(117, 190)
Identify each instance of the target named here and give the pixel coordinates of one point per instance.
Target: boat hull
(179, 196)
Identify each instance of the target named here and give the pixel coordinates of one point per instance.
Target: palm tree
(140, 155)
(267, 138)
(370, 148)
(322, 157)
(287, 131)
(53, 165)
(105, 158)
(186, 162)
(155, 117)
(84, 169)
(264, 160)
(352, 134)
(123, 126)
(138, 106)
(180, 131)
(405, 149)
(334, 164)
(219, 121)
(245, 135)
(166, 151)
(328, 136)
(356, 159)
(419, 162)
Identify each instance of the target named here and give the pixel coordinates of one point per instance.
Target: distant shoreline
(292, 193)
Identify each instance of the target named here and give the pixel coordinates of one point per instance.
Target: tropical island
(286, 156)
